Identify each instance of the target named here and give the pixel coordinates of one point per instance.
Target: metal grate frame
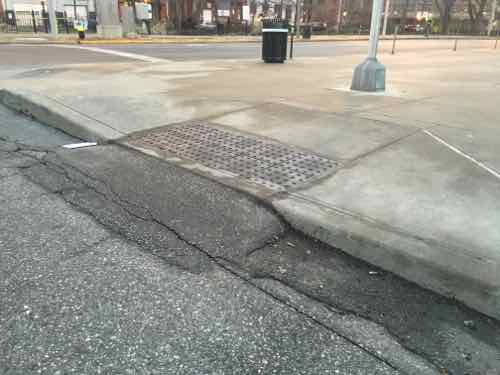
(260, 161)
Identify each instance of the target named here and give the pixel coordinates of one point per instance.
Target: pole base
(369, 76)
(110, 31)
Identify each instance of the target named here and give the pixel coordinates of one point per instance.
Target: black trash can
(306, 31)
(220, 28)
(274, 40)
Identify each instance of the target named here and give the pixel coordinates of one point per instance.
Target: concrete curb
(470, 279)
(57, 115)
(473, 280)
(211, 40)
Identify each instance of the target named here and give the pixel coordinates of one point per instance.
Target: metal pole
(297, 9)
(375, 29)
(45, 15)
(386, 16)
(339, 15)
(51, 5)
(34, 21)
(291, 46)
(394, 40)
(74, 11)
(66, 25)
(370, 74)
(492, 17)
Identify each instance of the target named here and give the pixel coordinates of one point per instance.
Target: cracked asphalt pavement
(115, 262)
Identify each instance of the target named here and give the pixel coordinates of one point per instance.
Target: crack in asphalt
(342, 311)
(235, 270)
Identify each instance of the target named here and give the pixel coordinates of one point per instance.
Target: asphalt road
(25, 55)
(183, 52)
(15, 57)
(86, 293)
(116, 262)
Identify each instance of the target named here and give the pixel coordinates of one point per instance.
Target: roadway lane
(224, 51)
(12, 55)
(18, 56)
(15, 56)
(183, 52)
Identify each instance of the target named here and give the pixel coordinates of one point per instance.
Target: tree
(476, 10)
(445, 8)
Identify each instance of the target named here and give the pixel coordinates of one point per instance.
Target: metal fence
(24, 22)
(38, 22)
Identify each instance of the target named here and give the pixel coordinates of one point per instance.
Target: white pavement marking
(195, 45)
(80, 145)
(128, 55)
(31, 40)
(461, 153)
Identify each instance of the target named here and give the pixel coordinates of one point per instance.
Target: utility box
(143, 11)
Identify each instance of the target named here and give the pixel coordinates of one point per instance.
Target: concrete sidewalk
(415, 188)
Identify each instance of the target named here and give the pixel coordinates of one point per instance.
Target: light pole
(108, 19)
(386, 16)
(370, 74)
(51, 7)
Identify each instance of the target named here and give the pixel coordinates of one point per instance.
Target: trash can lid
(274, 23)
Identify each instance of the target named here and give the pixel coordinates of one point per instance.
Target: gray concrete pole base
(110, 31)
(369, 76)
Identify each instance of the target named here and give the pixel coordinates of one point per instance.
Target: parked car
(415, 28)
(206, 28)
(318, 26)
(410, 28)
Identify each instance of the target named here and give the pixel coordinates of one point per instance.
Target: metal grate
(263, 162)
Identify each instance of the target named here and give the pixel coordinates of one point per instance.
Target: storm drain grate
(263, 162)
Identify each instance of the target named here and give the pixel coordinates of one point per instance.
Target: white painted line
(80, 145)
(194, 45)
(134, 56)
(274, 30)
(459, 152)
(28, 39)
